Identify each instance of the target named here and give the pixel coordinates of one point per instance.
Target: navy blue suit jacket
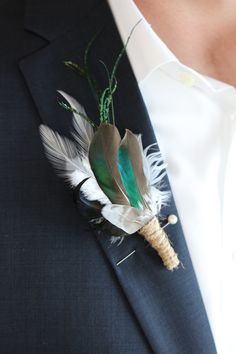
(61, 290)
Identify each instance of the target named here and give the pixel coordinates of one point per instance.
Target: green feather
(128, 177)
(102, 157)
(130, 165)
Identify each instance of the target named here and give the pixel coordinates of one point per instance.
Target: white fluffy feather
(155, 170)
(64, 156)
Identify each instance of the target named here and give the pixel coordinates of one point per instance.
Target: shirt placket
(228, 241)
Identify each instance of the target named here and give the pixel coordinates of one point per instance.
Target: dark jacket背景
(61, 289)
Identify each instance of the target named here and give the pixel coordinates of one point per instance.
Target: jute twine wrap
(158, 239)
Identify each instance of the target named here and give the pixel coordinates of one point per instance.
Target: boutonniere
(117, 180)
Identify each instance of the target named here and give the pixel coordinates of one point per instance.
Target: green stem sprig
(106, 100)
(104, 97)
(72, 110)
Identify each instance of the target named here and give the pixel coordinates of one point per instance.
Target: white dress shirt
(194, 119)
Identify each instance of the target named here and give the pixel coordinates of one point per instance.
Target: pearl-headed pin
(171, 220)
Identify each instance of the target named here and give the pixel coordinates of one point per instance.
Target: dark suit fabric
(60, 289)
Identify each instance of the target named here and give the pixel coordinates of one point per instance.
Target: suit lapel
(167, 305)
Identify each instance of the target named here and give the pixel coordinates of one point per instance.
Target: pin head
(172, 219)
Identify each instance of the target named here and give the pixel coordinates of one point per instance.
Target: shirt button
(187, 79)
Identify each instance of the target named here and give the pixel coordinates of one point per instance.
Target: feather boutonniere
(116, 181)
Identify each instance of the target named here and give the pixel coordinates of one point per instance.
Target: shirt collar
(147, 52)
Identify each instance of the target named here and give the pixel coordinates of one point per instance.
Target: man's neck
(221, 13)
(201, 36)
(194, 4)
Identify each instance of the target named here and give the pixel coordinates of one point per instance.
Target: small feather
(102, 158)
(125, 217)
(130, 164)
(154, 165)
(83, 129)
(83, 171)
(64, 156)
(155, 171)
(61, 151)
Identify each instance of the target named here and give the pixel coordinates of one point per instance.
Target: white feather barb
(83, 129)
(61, 151)
(64, 156)
(92, 191)
(155, 170)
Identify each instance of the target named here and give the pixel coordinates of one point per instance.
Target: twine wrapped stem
(158, 239)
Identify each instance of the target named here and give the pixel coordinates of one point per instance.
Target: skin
(201, 33)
